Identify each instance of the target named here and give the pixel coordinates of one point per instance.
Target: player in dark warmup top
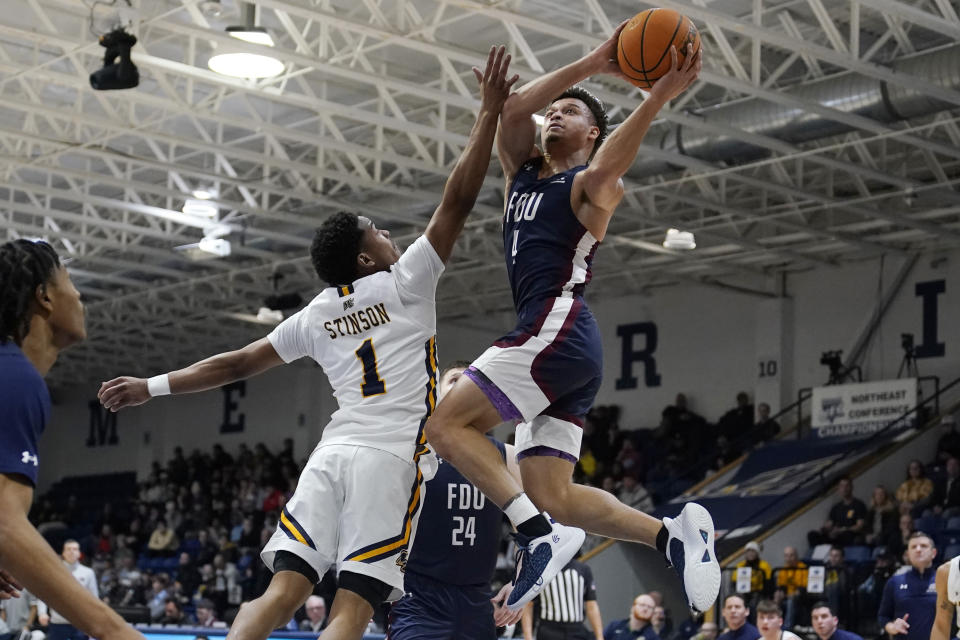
(448, 573)
(546, 372)
(40, 315)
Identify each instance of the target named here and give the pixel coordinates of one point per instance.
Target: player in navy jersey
(546, 372)
(448, 573)
(40, 315)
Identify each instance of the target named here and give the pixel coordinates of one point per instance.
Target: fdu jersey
(548, 251)
(375, 340)
(459, 532)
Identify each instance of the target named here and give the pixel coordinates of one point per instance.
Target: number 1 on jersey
(372, 384)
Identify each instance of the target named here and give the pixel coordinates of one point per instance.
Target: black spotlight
(116, 75)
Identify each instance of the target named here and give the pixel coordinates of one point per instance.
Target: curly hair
(24, 266)
(596, 109)
(335, 247)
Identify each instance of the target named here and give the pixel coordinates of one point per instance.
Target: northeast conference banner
(857, 410)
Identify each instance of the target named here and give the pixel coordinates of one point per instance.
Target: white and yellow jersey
(953, 583)
(375, 340)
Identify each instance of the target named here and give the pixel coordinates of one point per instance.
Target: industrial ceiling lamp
(682, 240)
(241, 64)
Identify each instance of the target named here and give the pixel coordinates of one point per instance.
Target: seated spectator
(770, 622)
(917, 489)
(631, 461)
(163, 541)
(707, 631)
(735, 613)
(638, 625)
(825, 624)
(846, 522)
(678, 420)
(659, 622)
(158, 595)
(945, 500)
(316, 619)
(207, 615)
(173, 613)
(633, 494)
(948, 446)
(870, 590)
(881, 516)
(760, 574)
(791, 585)
(836, 581)
(738, 421)
(609, 484)
(724, 454)
(767, 428)
(897, 540)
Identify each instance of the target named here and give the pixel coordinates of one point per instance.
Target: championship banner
(858, 410)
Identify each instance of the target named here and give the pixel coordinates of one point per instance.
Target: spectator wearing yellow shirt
(916, 489)
(760, 576)
(791, 584)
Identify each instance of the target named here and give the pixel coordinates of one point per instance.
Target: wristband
(158, 385)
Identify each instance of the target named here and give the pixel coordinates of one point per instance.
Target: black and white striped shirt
(562, 600)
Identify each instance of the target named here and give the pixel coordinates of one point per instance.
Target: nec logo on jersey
(27, 458)
(347, 304)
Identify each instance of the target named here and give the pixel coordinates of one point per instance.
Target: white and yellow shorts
(355, 508)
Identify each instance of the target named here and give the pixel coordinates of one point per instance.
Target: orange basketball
(644, 48)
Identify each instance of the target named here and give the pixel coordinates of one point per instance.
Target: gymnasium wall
(710, 343)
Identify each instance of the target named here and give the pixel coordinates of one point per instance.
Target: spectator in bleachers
(791, 585)
(163, 541)
(638, 625)
(707, 631)
(917, 489)
(659, 622)
(633, 494)
(945, 500)
(678, 419)
(60, 628)
(738, 421)
(836, 581)
(767, 428)
(735, 613)
(846, 522)
(881, 516)
(207, 615)
(724, 453)
(948, 446)
(826, 624)
(770, 622)
(20, 614)
(896, 542)
(909, 602)
(871, 590)
(760, 574)
(187, 574)
(609, 484)
(173, 613)
(158, 595)
(316, 619)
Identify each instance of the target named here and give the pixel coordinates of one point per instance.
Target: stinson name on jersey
(357, 322)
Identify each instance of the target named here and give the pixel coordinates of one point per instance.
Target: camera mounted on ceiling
(114, 74)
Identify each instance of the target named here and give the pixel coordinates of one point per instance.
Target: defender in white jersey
(948, 599)
(358, 498)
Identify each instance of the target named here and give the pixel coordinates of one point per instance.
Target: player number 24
(372, 384)
(464, 529)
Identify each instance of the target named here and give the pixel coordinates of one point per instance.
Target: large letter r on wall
(629, 355)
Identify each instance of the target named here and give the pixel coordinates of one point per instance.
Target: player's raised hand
(676, 81)
(501, 615)
(9, 587)
(604, 57)
(123, 392)
(493, 81)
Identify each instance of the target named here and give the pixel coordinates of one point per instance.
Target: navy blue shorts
(432, 610)
(546, 374)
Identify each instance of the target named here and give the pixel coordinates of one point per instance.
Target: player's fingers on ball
(620, 27)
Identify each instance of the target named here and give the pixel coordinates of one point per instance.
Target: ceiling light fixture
(681, 240)
(204, 194)
(242, 64)
(201, 208)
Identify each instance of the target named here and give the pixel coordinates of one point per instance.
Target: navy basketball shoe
(690, 551)
(539, 560)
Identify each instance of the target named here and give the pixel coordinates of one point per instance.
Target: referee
(561, 607)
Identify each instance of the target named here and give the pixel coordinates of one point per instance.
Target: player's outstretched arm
(943, 622)
(463, 185)
(518, 131)
(210, 373)
(27, 556)
(601, 180)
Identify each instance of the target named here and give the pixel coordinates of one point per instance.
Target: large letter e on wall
(630, 354)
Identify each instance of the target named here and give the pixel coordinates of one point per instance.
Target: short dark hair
(922, 534)
(335, 247)
(735, 595)
(24, 266)
(596, 108)
(456, 364)
(823, 604)
(768, 606)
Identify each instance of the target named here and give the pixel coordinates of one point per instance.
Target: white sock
(520, 510)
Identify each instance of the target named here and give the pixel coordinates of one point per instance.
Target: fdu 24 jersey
(547, 250)
(375, 340)
(459, 532)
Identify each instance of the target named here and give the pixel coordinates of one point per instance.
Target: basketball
(644, 48)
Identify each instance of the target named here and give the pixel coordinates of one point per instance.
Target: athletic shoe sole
(698, 566)
(563, 552)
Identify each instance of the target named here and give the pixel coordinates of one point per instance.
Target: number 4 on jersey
(372, 384)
